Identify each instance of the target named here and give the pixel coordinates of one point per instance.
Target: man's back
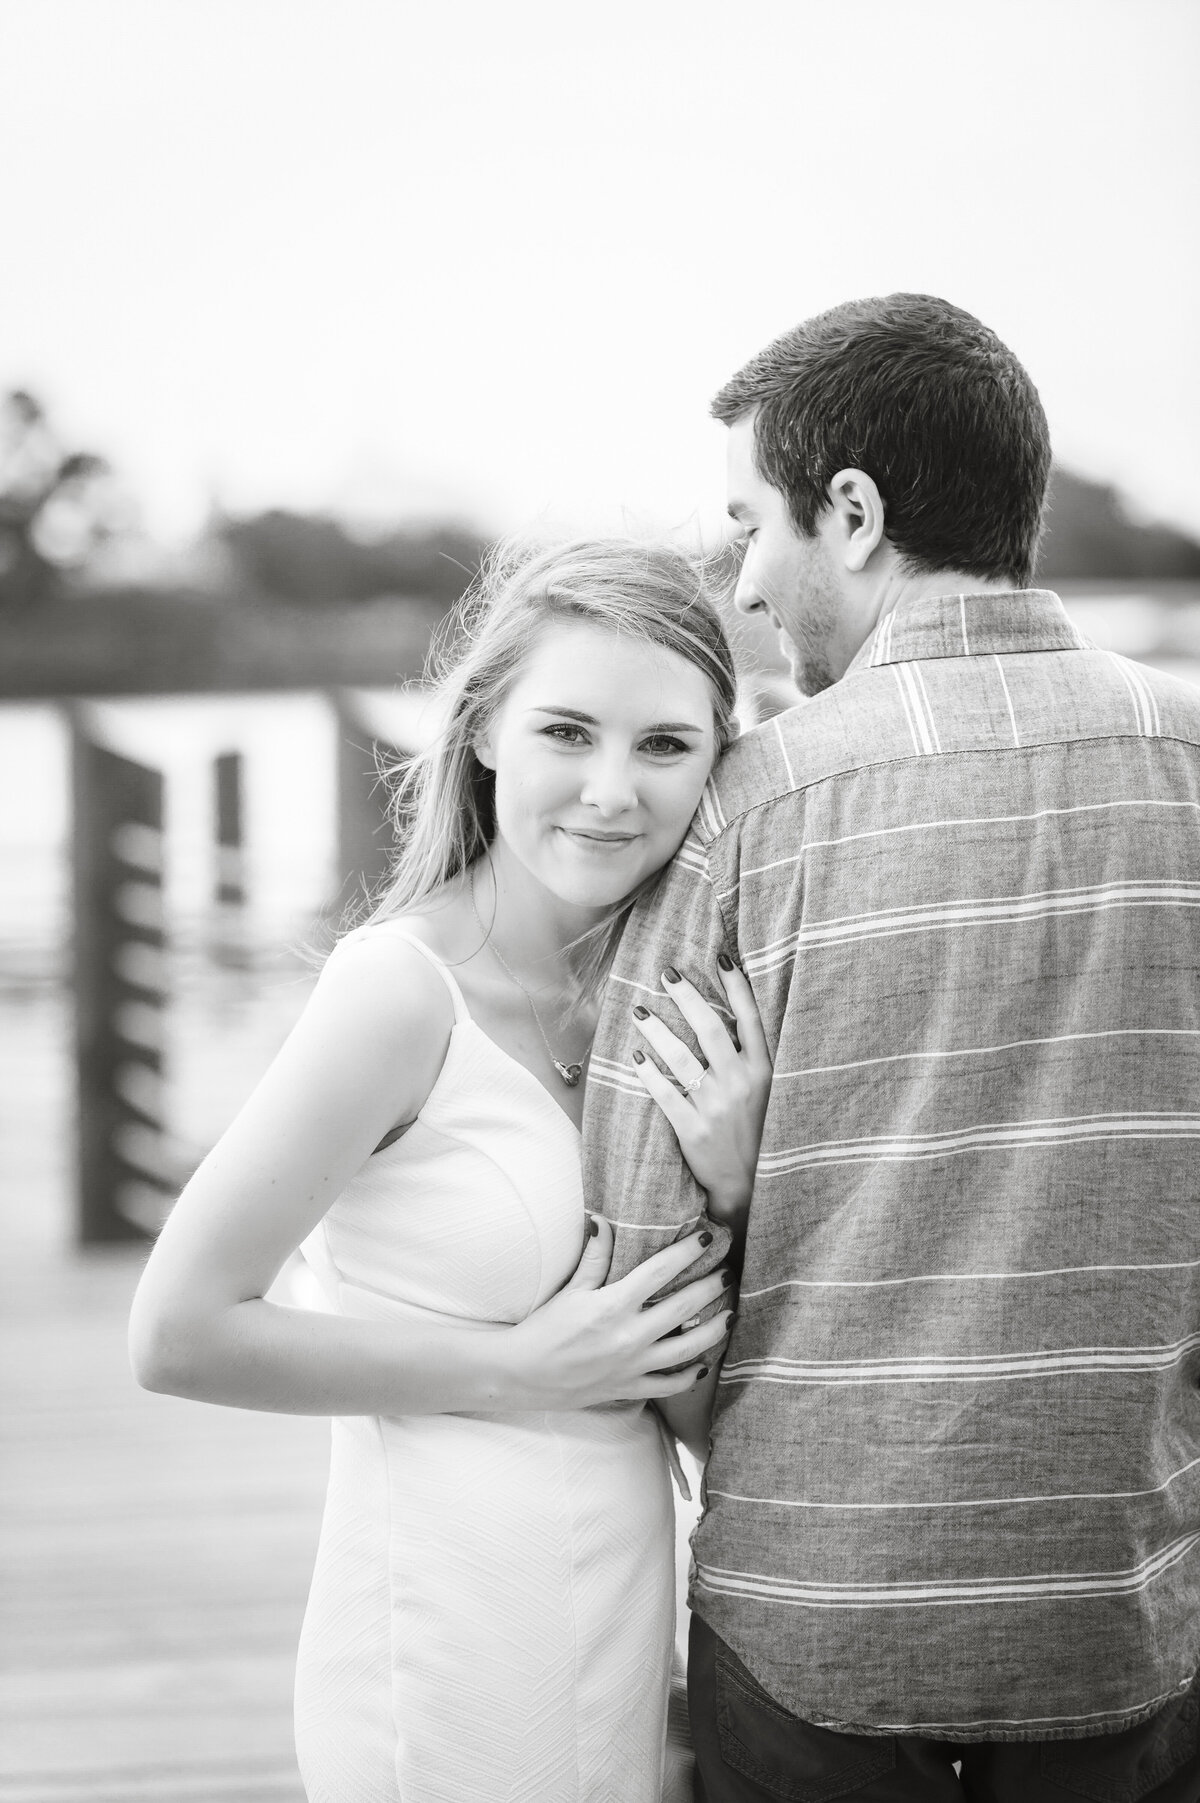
(955, 1481)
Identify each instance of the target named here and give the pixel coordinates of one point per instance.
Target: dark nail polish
(593, 1227)
(670, 974)
(727, 1278)
(706, 1238)
(724, 961)
(702, 1374)
(641, 1013)
(729, 1321)
(639, 1057)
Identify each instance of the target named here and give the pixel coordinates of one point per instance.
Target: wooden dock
(154, 1554)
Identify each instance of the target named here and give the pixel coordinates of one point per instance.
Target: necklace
(570, 1073)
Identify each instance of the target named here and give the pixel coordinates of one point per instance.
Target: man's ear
(857, 517)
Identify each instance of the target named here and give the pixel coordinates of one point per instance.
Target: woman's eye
(661, 744)
(565, 733)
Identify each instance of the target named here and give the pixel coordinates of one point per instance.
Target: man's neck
(922, 585)
(885, 585)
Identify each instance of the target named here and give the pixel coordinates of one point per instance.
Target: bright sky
(385, 257)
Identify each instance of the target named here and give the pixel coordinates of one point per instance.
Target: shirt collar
(1029, 619)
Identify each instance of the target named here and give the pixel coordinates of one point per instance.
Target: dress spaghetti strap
(395, 929)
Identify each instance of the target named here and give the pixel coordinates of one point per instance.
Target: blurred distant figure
(52, 511)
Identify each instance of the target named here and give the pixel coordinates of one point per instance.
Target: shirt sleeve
(634, 1173)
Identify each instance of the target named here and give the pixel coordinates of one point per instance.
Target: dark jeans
(751, 1750)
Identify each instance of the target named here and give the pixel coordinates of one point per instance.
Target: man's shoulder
(879, 715)
(1180, 693)
(784, 756)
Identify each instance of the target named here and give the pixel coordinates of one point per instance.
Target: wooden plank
(156, 1557)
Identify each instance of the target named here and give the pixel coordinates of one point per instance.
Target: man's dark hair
(927, 402)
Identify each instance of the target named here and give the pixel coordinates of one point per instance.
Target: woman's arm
(362, 1058)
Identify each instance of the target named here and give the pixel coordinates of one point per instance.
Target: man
(953, 1499)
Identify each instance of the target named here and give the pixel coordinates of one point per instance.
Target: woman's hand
(590, 1345)
(716, 1107)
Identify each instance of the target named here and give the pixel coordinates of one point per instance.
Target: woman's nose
(609, 786)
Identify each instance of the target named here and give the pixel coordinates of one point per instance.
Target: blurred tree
(1089, 532)
(310, 558)
(53, 506)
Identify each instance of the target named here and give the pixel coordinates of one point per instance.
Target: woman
(492, 1611)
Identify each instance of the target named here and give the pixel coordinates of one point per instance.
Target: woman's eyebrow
(573, 713)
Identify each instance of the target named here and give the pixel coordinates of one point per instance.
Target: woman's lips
(599, 841)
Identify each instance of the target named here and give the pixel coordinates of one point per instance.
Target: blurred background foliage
(67, 526)
(283, 556)
(1090, 532)
(65, 523)
(56, 505)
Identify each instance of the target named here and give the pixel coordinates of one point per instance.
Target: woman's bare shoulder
(401, 942)
(379, 973)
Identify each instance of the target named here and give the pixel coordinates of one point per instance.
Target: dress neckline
(516, 1065)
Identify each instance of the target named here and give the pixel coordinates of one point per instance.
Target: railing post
(124, 1181)
(230, 886)
(228, 941)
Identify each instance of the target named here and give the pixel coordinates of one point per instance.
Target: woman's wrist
(730, 1207)
(506, 1381)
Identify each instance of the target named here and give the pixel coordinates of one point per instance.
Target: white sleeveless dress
(492, 1614)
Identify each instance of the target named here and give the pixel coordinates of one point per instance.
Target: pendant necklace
(570, 1073)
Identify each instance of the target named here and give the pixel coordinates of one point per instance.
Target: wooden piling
(228, 820)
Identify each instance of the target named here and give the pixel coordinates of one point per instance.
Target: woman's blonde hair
(442, 799)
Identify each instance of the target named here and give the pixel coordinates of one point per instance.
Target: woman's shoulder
(382, 1009)
(439, 926)
(389, 969)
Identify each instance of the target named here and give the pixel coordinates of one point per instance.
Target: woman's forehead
(578, 659)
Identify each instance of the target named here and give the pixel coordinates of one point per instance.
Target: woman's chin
(597, 897)
(594, 890)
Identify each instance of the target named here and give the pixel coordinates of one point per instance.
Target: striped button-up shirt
(954, 1487)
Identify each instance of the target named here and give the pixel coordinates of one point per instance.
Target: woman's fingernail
(702, 1374)
(729, 1321)
(641, 1013)
(724, 961)
(727, 1278)
(706, 1238)
(670, 974)
(639, 1057)
(593, 1227)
